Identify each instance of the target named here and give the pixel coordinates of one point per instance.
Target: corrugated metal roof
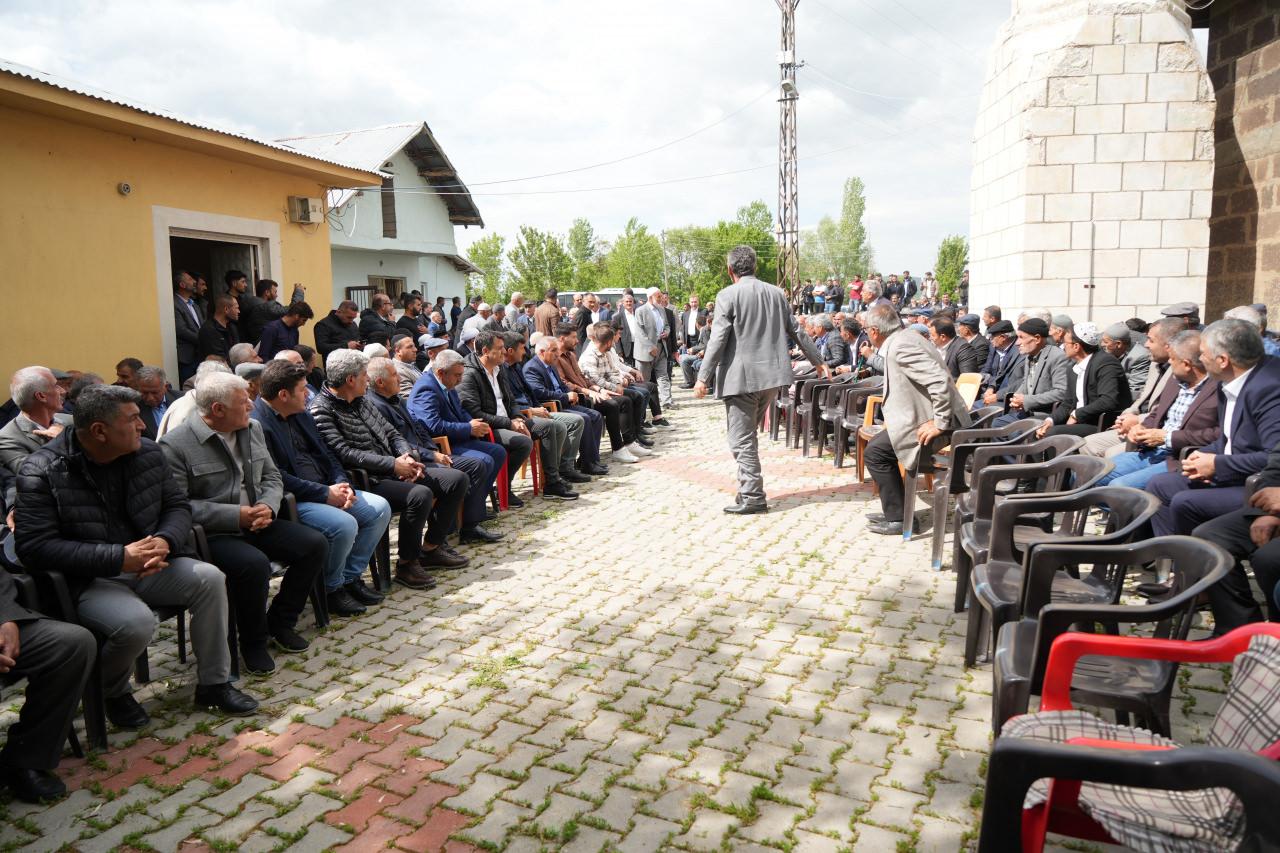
(78, 88)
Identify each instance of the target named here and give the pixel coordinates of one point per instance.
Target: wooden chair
(968, 385)
(869, 430)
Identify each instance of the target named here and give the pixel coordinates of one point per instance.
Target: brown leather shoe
(440, 558)
(413, 576)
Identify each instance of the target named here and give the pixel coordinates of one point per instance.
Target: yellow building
(103, 199)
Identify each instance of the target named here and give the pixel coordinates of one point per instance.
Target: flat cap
(430, 342)
(1035, 326)
(1118, 332)
(973, 321)
(1086, 333)
(249, 369)
(1181, 309)
(1000, 327)
(1062, 321)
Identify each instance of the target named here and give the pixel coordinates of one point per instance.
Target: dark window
(388, 207)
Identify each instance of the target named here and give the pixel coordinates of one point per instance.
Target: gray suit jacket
(186, 330)
(1136, 364)
(1048, 386)
(647, 325)
(751, 337)
(918, 388)
(17, 441)
(1152, 387)
(203, 467)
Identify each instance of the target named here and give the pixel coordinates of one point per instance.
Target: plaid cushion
(1249, 719)
(1207, 821)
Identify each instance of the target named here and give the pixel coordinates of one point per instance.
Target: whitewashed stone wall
(1092, 161)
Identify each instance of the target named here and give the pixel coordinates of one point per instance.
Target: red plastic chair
(502, 477)
(1016, 763)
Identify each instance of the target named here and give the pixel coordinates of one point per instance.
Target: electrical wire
(772, 88)
(964, 51)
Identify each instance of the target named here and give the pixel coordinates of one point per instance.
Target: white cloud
(519, 88)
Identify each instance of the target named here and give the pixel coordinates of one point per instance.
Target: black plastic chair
(810, 406)
(380, 567)
(952, 479)
(1139, 687)
(853, 400)
(1041, 467)
(995, 585)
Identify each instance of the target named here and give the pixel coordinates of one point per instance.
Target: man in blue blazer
(1002, 365)
(544, 382)
(1211, 482)
(435, 406)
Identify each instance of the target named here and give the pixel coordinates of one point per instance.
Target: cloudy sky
(519, 89)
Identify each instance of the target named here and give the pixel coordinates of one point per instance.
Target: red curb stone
(357, 777)
(415, 807)
(434, 834)
(176, 754)
(396, 752)
(406, 779)
(296, 733)
(197, 765)
(343, 729)
(244, 741)
(129, 776)
(393, 727)
(361, 811)
(246, 762)
(381, 832)
(340, 761)
(298, 756)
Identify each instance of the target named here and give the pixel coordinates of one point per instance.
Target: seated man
(99, 505)
(1159, 377)
(1097, 390)
(1186, 415)
(691, 358)
(1044, 378)
(361, 437)
(39, 399)
(602, 366)
(530, 405)
(1211, 482)
(1003, 366)
(152, 384)
(1120, 341)
(219, 457)
(352, 521)
(436, 409)
(185, 406)
(404, 355)
(614, 406)
(956, 353)
(544, 383)
(1250, 533)
(56, 658)
(967, 330)
(384, 395)
(485, 394)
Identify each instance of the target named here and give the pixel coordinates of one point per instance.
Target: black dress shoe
(34, 786)
(513, 502)
(224, 698)
(894, 528)
(644, 442)
(574, 477)
(438, 558)
(288, 640)
(1153, 591)
(558, 492)
(478, 534)
(875, 517)
(124, 712)
(746, 509)
(662, 422)
(342, 604)
(362, 593)
(598, 470)
(490, 515)
(258, 661)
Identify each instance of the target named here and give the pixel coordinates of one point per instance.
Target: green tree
(635, 258)
(486, 253)
(838, 247)
(584, 249)
(953, 257)
(696, 254)
(538, 262)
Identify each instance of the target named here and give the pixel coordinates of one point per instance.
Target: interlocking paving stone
(770, 667)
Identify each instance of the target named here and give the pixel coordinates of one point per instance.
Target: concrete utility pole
(788, 171)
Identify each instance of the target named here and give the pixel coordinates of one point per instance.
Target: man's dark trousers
(882, 462)
(1232, 598)
(57, 658)
(246, 561)
(1188, 505)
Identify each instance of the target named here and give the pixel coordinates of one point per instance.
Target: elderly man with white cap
(1096, 390)
(1135, 359)
(665, 336)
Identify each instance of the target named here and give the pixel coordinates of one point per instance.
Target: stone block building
(1093, 161)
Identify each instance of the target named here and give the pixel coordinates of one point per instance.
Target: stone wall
(1093, 161)
(1244, 65)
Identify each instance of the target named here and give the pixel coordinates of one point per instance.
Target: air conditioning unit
(305, 210)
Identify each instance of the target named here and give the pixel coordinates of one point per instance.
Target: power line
(966, 52)
(647, 151)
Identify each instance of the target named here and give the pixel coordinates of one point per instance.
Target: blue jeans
(353, 534)
(1136, 468)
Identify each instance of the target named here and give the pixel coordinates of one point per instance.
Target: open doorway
(213, 258)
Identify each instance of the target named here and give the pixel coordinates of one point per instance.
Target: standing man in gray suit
(187, 320)
(748, 353)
